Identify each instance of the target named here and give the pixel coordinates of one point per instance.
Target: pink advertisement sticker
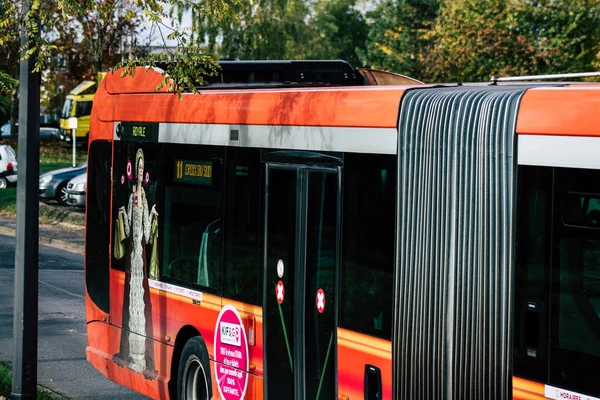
(231, 354)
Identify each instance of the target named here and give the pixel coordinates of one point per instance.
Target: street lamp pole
(25, 319)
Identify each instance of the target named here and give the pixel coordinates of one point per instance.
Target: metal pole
(25, 321)
(543, 77)
(74, 135)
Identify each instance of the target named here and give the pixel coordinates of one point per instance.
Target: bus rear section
(557, 297)
(341, 243)
(494, 276)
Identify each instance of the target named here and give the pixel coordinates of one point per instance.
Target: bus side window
(557, 301)
(193, 232)
(193, 237)
(98, 223)
(575, 311)
(532, 271)
(243, 216)
(369, 205)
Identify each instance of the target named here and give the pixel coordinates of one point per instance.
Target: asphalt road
(62, 366)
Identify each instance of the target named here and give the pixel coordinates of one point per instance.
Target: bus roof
(571, 110)
(134, 99)
(560, 109)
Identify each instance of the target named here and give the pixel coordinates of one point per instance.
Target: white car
(5, 130)
(8, 166)
(76, 190)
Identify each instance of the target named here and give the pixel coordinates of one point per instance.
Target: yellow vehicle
(78, 104)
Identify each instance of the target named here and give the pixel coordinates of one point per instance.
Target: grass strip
(8, 202)
(6, 385)
(5, 381)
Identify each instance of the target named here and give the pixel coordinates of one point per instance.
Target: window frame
(171, 152)
(557, 365)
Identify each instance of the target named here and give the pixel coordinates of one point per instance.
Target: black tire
(61, 194)
(3, 182)
(194, 381)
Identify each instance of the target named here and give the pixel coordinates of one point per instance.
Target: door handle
(533, 327)
(372, 383)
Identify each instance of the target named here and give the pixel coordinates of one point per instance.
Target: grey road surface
(62, 366)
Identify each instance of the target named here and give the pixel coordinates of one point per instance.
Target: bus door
(302, 241)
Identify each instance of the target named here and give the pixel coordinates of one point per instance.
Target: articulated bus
(290, 232)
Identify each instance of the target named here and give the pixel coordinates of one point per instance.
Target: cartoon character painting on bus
(136, 348)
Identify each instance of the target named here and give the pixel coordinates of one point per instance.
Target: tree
(85, 44)
(567, 31)
(340, 31)
(286, 29)
(474, 39)
(9, 67)
(79, 45)
(477, 39)
(7, 88)
(186, 65)
(399, 35)
(92, 40)
(262, 29)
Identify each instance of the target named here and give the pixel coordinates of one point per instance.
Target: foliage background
(431, 40)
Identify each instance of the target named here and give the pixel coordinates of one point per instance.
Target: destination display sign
(193, 171)
(138, 131)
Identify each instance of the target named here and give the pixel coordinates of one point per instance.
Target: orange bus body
(542, 112)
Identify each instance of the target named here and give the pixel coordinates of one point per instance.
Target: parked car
(53, 184)
(5, 130)
(8, 166)
(46, 132)
(76, 190)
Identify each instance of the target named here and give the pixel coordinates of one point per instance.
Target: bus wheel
(193, 377)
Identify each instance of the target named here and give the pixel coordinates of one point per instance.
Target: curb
(51, 393)
(61, 215)
(59, 244)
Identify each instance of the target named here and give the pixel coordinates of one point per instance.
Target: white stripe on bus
(561, 394)
(167, 287)
(315, 138)
(559, 151)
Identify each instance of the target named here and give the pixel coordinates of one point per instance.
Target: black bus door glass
(300, 284)
(279, 288)
(319, 306)
(557, 298)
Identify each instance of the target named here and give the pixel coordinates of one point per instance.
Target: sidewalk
(61, 235)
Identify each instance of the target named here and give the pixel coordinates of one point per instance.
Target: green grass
(6, 384)
(8, 200)
(5, 381)
(52, 156)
